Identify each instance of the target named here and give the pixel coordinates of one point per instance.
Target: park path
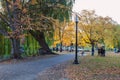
(30, 70)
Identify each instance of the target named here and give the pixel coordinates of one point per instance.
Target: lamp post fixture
(76, 46)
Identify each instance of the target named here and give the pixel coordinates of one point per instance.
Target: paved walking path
(30, 70)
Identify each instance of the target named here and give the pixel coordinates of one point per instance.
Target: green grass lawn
(95, 68)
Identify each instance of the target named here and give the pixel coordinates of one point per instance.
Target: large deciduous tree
(88, 26)
(94, 28)
(60, 30)
(33, 16)
(57, 9)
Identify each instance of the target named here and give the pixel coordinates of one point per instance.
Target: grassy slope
(96, 68)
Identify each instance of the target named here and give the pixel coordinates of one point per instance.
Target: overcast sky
(103, 8)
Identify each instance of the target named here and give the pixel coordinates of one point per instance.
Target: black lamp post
(76, 46)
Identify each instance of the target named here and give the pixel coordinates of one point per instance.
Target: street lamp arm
(76, 13)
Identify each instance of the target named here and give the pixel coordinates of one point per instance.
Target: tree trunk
(92, 49)
(39, 36)
(15, 48)
(14, 17)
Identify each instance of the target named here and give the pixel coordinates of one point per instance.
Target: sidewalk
(29, 70)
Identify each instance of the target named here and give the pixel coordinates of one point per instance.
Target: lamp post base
(75, 62)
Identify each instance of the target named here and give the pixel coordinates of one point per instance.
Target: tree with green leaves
(42, 20)
(35, 16)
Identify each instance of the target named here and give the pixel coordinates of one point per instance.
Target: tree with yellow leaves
(64, 33)
(94, 28)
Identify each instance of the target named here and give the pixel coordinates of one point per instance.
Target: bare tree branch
(10, 18)
(2, 17)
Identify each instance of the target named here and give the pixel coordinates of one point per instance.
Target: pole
(76, 46)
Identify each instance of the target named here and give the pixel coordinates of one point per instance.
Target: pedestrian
(103, 51)
(56, 49)
(115, 50)
(82, 53)
(99, 51)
